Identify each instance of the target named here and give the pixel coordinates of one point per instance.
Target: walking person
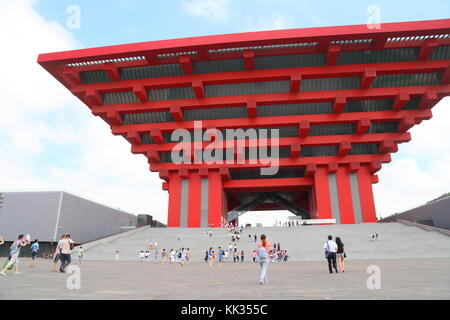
(254, 254)
(263, 254)
(285, 256)
(340, 255)
(212, 257)
(80, 253)
(183, 256)
(330, 248)
(14, 252)
(117, 255)
(163, 256)
(66, 249)
(220, 252)
(235, 256)
(188, 255)
(57, 253)
(34, 251)
(242, 255)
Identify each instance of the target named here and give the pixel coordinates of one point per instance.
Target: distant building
(435, 214)
(147, 220)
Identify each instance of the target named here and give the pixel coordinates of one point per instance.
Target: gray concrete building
(48, 215)
(435, 214)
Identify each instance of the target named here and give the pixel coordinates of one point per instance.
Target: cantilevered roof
(346, 93)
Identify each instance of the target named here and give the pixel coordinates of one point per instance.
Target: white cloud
(275, 21)
(211, 9)
(39, 114)
(420, 171)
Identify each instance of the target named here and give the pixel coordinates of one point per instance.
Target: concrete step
(303, 243)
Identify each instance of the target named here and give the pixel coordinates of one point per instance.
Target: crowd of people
(62, 253)
(264, 253)
(374, 236)
(181, 255)
(224, 255)
(279, 223)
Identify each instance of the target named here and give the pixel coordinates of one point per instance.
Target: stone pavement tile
(400, 279)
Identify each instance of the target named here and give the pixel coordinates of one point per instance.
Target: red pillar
(322, 194)
(366, 194)
(194, 200)
(216, 199)
(345, 195)
(173, 219)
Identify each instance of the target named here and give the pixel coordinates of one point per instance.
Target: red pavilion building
(341, 99)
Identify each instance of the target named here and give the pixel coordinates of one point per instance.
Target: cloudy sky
(50, 141)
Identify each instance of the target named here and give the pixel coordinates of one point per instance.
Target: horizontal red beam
(273, 98)
(269, 75)
(277, 183)
(283, 163)
(420, 114)
(397, 137)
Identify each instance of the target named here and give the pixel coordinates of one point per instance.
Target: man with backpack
(330, 248)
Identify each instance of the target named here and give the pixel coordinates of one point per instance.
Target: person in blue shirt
(220, 255)
(34, 251)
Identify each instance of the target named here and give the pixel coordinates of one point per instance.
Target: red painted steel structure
(401, 71)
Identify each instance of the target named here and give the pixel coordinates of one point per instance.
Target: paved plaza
(400, 279)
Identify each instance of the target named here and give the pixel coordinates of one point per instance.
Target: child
(80, 254)
(254, 253)
(14, 252)
(34, 251)
(271, 255)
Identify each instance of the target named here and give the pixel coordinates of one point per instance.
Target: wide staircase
(303, 243)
